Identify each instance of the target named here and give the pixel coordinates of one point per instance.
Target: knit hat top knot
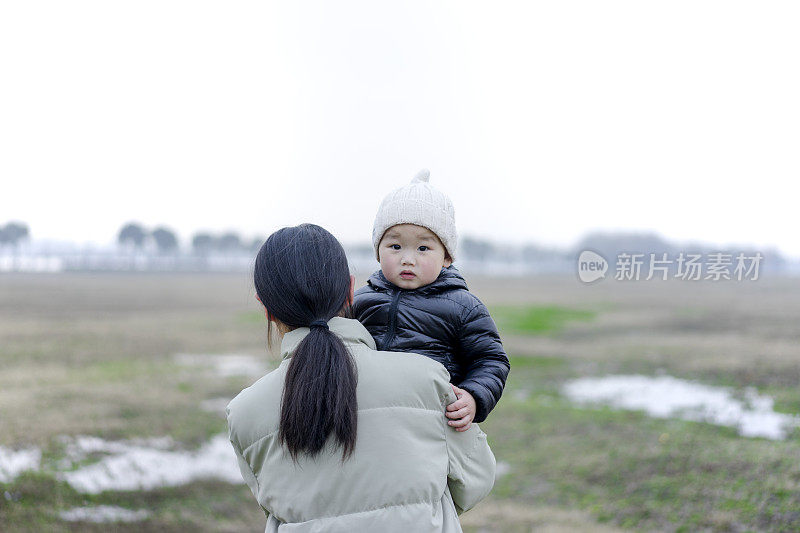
(423, 175)
(421, 204)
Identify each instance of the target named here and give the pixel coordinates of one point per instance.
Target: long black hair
(301, 276)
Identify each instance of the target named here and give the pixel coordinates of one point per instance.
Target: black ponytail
(301, 276)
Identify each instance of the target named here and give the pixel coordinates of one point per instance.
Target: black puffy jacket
(444, 321)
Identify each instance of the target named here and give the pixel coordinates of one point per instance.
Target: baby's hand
(463, 410)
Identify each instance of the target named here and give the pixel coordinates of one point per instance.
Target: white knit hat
(418, 203)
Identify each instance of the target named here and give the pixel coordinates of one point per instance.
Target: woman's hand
(462, 411)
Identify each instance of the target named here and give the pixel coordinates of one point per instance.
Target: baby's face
(411, 256)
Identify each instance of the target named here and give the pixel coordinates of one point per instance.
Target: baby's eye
(423, 248)
(394, 246)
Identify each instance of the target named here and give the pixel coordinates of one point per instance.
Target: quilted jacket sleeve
(471, 464)
(471, 468)
(482, 353)
(244, 466)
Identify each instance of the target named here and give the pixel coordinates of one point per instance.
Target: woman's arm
(471, 463)
(471, 467)
(244, 467)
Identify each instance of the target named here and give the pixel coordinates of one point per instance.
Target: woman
(341, 437)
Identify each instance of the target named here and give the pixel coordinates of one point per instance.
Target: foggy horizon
(185, 241)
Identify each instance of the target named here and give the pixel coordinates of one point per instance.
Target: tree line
(13, 233)
(134, 235)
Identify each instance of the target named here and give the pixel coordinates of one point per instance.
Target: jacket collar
(351, 332)
(449, 278)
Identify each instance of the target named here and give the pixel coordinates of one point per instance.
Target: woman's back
(407, 469)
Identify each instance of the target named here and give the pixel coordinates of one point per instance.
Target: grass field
(95, 354)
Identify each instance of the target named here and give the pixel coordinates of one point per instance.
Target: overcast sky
(541, 121)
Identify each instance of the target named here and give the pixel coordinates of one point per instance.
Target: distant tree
(165, 239)
(476, 249)
(362, 249)
(202, 243)
(229, 241)
(131, 234)
(534, 252)
(256, 243)
(610, 244)
(14, 232)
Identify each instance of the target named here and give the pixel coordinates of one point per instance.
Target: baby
(418, 302)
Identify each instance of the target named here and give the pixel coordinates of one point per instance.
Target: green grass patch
(786, 400)
(192, 427)
(123, 370)
(540, 362)
(251, 317)
(537, 319)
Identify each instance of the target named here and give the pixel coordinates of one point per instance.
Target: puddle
(226, 364)
(501, 469)
(103, 513)
(522, 395)
(78, 449)
(137, 464)
(669, 397)
(144, 465)
(14, 462)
